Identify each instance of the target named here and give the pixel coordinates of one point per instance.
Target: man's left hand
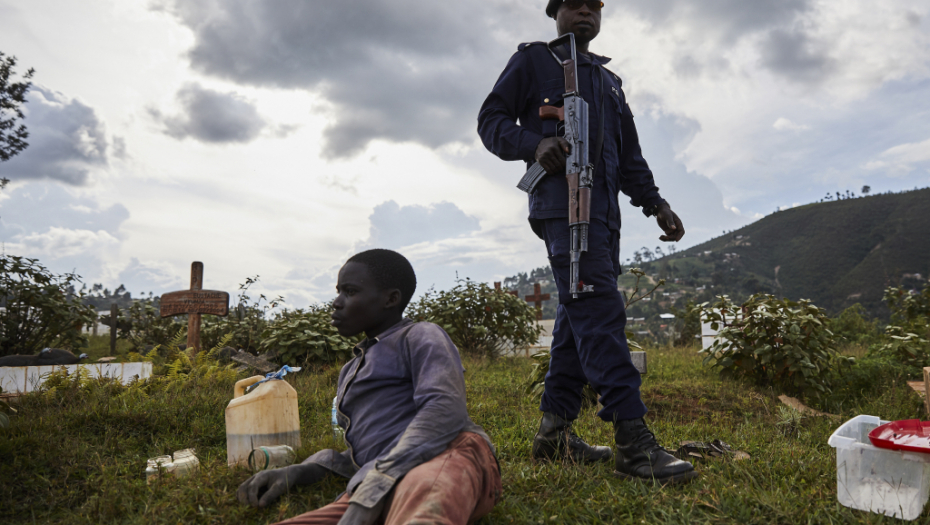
(670, 223)
(359, 515)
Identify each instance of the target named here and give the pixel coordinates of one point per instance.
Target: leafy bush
(146, 327)
(853, 325)
(774, 342)
(40, 308)
(246, 322)
(480, 320)
(182, 368)
(909, 330)
(907, 348)
(689, 319)
(301, 337)
(863, 382)
(909, 308)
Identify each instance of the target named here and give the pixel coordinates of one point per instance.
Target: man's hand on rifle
(670, 223)
(551, 153)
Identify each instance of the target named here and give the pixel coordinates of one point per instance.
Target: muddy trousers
(458, 486)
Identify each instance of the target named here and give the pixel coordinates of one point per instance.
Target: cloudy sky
(278, 137)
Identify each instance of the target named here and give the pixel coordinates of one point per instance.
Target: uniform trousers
(589, 341)
(458, 486)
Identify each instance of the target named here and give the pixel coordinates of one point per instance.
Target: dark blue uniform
(589, 343)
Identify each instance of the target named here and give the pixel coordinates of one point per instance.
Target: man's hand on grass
(264, 488)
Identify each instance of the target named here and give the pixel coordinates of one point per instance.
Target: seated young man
(413, 453)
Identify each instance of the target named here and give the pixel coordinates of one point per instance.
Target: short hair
(389, 270)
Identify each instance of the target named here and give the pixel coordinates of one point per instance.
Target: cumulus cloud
(66, 140)
(783, 124)
(57, 243)
(902, 159)
(156, 276)
(399, 70)
(394, 226)
(39, 206)
(213, 117)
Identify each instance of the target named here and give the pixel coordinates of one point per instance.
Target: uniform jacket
(510, 127)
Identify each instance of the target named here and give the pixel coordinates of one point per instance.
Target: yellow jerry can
(266, 416)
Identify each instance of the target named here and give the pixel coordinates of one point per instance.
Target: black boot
(556, 433)
(639, 455)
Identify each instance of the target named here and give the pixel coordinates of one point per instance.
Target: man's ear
(393, 299)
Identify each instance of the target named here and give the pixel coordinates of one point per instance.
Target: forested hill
(835, 253)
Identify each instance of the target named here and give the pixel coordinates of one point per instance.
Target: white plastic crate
(883, 481)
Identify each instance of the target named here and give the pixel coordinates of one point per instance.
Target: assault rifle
(578, 167)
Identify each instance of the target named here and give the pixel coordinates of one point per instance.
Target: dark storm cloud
(66, 140)
(792, 54)
(394, 226)
(731, 19)
(399, 70)
(211, 116)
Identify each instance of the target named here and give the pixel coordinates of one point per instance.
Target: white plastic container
(184, 462)
(882, 481)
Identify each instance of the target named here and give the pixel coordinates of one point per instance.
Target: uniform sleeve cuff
(529, 144)
(372, 489)
(650, 209)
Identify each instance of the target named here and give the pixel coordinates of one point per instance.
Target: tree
(12, 98)
(866, 190)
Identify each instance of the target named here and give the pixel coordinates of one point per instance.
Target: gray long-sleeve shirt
(401, 401)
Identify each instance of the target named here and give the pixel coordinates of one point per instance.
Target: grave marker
(537, 298)
(195, 302)
(497, 286)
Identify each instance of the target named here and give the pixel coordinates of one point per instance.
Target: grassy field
(78, 455)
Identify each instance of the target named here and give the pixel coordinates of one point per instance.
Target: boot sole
(670, 480)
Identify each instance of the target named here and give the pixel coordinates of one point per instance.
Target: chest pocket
(550, 94)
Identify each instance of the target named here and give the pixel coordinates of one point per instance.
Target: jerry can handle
(241, 385)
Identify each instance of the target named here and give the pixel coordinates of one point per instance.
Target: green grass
(78, 456)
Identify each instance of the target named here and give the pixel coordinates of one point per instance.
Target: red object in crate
(912, 435)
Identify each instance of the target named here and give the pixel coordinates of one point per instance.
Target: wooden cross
(537, 298)
(194, 303)
(497, 287)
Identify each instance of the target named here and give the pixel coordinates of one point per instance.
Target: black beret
(553, 7)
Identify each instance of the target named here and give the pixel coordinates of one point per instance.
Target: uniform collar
(598, 60)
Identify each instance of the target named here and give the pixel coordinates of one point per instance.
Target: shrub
(853, 326)
(246, 322)
(774, 342)
(40, 308)
(909, 308)
(909, 330)
(689, 320)
(906, 348)
(301, 337)
(146, 327)
(480, 320)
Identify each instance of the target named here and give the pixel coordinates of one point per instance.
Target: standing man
(589, 343)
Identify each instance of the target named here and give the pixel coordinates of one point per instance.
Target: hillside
(835, 253)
